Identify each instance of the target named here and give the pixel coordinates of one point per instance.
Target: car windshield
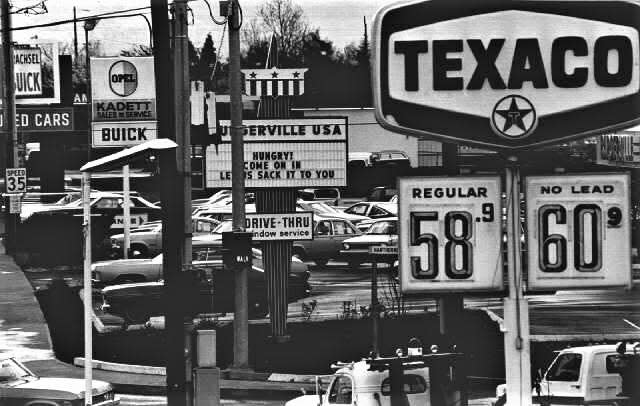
(10, 370)
(223, 227)
(383, 227)
(321, 207)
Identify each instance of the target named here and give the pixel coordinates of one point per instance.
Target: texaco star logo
(513, 117)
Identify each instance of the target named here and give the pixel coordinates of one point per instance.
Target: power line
(91, 17)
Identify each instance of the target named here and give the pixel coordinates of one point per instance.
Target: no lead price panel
(450, 235)
(578, 231)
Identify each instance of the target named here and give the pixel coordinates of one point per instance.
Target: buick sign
(507, 74)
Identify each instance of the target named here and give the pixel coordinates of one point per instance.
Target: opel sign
(507, 74)
(123, 78)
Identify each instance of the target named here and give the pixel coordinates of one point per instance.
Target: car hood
(58, 388)
(304, 400)
(373, 239)
(122, 262)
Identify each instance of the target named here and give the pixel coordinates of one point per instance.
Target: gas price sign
(450, 234)
(578, 231)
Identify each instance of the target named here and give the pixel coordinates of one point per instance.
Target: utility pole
(172, 245)
(9, 111)
(241, 312)
(75, 38)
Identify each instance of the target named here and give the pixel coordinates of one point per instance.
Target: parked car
(110, 203)
(122, 271)
(373, 210)
(21, 387)
(381, 194)
(328, 235)
(390, 158)
(146, 240)
(581, 375)
(211, 290)
(382, 232)
(221, 213)
(323, 209)
(329, 195)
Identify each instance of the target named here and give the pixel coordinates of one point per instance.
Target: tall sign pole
(171, 237)
(241, 312)
(9, 111)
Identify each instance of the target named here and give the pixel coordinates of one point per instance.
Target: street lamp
(89, 25)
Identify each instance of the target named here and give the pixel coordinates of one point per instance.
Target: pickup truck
(414, 380)
(589, 375)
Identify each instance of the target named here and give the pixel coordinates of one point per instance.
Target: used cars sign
(507, 74)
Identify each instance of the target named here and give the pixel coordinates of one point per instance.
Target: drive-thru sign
(519, 73)
(450, 234)
(579, 232)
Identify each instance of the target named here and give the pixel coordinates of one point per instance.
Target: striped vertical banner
(274, 82)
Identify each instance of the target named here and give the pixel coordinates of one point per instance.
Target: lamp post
(89, 25)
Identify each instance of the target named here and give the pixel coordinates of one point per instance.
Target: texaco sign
(507, 74)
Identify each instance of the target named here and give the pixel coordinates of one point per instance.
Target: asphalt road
(564, 316)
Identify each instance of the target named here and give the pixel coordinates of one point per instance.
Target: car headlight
(346, 246)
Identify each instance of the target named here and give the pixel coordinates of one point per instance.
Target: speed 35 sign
(578, 231)
(450, 234)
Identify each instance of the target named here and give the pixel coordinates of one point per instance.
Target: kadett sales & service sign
(284, 153)
(123, 103)
(507, 74)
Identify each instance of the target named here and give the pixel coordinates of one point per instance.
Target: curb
(125, 368)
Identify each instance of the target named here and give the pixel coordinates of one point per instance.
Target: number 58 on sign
(450, 234)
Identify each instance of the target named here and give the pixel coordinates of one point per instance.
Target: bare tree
(284, 19)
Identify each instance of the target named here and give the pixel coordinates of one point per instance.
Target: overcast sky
(340, 21)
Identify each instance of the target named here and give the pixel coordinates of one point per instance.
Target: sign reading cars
(578, 231)
(520, 73)
(450, 236)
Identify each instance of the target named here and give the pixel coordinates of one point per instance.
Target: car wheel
(259, 311)
(299, 253)
(139, 251)
(354, 265)
(321, 262)
(136, 316)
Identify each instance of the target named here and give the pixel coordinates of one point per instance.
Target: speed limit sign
(450, 234)
(16, 180)
(578, 231)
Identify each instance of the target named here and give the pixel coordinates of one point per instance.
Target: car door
(322, 240)
(341, 231)
(563, 376)
(341, 391)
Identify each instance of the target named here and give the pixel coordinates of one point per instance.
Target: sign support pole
(126, 211)
(375, 344)
(86, 287)
(517, 351)
(241, 309)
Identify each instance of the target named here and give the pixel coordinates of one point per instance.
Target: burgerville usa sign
(507, 74)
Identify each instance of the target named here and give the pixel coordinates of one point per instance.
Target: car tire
(139, 251)
(321, 262)
(299, 253)
(259, 311)
(136, 316)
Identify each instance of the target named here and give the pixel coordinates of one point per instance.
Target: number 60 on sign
(450, 234)
(578, 231)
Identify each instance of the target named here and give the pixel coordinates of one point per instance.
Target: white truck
(589, 375)
(416, 380)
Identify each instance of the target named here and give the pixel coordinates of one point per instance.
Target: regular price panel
(578, 231)
(450, 234)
